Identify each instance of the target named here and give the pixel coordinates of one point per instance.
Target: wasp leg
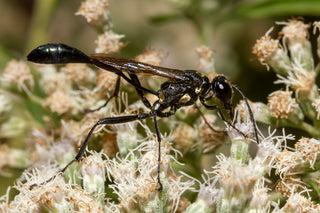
(206, 122)
(216, 107)
(114, 95)
(110, 120)
(140, 92)
(160, 114)
(250, 112)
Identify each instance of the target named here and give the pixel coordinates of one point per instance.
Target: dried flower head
(18, 73)
(270, 148)
(150, 57)
(286, 161)
(209, 139)
(78, 130)
(290, 184)
(93, 171)
(95, 11)
(270, 52)
(281, 104)
(298, 78)
(51, 80)
(56, 195)
(78, 73)
(295, 30)
(109, 42)
(295, 35)
(206, 62)
(105, 81)
(184, 136)
(308, 148)
(59, 102)
(234, 177)
(299, 203)
(260, 199)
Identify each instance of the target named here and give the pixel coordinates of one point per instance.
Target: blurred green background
(172, 27)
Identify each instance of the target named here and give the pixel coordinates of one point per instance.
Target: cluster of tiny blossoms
(122, 176)
(295, 106)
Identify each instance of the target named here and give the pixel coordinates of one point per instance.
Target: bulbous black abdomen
(57, 54)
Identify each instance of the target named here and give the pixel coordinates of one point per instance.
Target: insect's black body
(176, 94)
(183, 88)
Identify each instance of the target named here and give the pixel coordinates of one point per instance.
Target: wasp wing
(107, 61)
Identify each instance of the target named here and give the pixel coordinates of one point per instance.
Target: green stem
(239, 150)
(310, 129)
(38, 34)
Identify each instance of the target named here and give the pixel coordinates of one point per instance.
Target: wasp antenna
(250, 112)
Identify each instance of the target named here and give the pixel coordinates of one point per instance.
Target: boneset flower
(282, 105)
(95, 11)
(17, 73)
(270, 52)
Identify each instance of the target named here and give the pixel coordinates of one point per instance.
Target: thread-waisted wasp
(183, 88)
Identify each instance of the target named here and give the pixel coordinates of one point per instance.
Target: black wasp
(183, 88)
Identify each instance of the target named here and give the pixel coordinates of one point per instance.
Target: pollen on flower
(51, 80)
(260, 198)
(59, 102)
(184, 136)
(234, 177)
(286, 162)
(295, 29)
(78, 130)
(149, 159)
(109, 42)
(150, 57)
(281, 104)
(205, 55)
(299, 203)
(95, 11)
(290, 184)
(176, 188)
(308, 148)
(298, 78)
(93, 165)
(105, 81)
(242, 110)
(209, 139)
(18, 73)
(78, 73)
(55, 196)
(266, 47)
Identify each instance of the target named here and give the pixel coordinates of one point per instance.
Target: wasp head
(222, 89)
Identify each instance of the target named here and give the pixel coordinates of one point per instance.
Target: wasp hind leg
(103, 121)
(114, 95)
